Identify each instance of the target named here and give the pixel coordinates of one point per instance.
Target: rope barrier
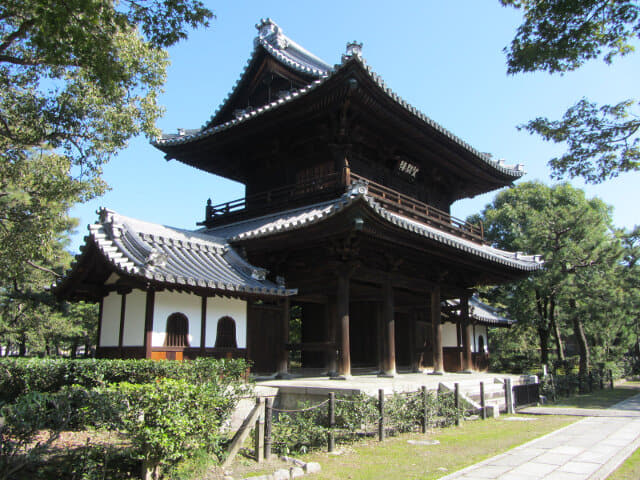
(282, 410)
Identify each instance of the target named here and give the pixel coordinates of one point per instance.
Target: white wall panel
(167, 303)
(110, 327)
(134, 319)
(449, 335)
(218, 307)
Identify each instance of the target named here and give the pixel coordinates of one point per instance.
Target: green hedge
(24, 375)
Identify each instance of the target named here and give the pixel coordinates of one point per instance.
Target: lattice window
(177, 331)
(226, 336)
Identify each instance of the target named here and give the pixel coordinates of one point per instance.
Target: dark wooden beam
(438, 361)
(148, 322)
(123, 310)
(203, 324)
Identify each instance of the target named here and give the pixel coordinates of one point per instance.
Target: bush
(23, 375)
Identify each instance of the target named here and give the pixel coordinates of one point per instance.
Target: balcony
(332, 186)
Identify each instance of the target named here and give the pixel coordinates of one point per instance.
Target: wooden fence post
(483, 405)
(381, 411)
(456, 399)
(425, 410)
(259, 439)
(332, 421)
(268, 425)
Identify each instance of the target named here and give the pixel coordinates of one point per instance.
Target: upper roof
(168, 256)
(298, 218)
(273, 42)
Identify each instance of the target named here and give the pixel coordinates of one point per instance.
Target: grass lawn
(599, 398)
(629, 470)
(458, 448)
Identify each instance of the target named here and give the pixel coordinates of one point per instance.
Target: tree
(573, 235)
(78, 79)
(558, 36)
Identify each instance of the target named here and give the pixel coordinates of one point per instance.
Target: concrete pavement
(589, 449)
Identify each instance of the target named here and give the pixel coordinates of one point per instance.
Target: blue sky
(445, 58)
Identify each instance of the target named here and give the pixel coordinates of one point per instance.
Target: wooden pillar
(379, 337)
(148, 322)
(203, 325)
(283, 360)
(436, 324)
(342, 306)
(467, 333)
(388, 314)
(413, 355)
(332, 336)
(100, 315)
(123, 310)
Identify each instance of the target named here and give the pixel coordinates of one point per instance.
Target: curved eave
(172, 145)
(330, 209)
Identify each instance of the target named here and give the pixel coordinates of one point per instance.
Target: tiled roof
(174, 256)
(301, 217)
(484, 314)
(291, 54)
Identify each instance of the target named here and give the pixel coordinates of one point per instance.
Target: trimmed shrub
(23, 375)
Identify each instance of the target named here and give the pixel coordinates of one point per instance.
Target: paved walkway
(586, 450)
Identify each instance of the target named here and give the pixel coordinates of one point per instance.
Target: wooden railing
(410, 207)
(334, 183)
(285, 196)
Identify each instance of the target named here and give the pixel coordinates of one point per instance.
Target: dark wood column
(203, 325)
(467, 333)
(379, 336)
(148, 322)
(283, 351)
(413, 355)
(436, 323)
(100, 315)
(123, 310)
(388, 319)
(342, 307)
(332, 337)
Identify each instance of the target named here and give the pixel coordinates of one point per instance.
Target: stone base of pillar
(340, 377)
(388, 374)
(467, 371)
(436, 372)
(283, 376)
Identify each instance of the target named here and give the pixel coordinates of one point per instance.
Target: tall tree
(572, 233)
(78, 79)
(558, 36)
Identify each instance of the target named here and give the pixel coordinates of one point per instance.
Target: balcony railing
(329, 186)
(410, 207)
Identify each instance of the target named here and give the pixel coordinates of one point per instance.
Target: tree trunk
(22, 351)
(556, 331)
(543, 333)
(581, 338)
(543, 327)
(74, 348)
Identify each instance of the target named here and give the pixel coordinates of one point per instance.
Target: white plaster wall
(218, 307)
(449, 335)
(134, 319)
(481, 330)
(110, 326)
(167, 303)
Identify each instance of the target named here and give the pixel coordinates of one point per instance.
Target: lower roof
(166, 256)
(298, 218)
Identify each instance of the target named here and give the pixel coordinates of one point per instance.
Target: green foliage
(23, 375)
(560, 35)
(602, 142)
(357, 416)
(580, 252)
(169, 419)
(175, 409)
(78, 80)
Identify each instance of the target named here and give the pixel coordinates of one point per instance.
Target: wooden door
(264, 337)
